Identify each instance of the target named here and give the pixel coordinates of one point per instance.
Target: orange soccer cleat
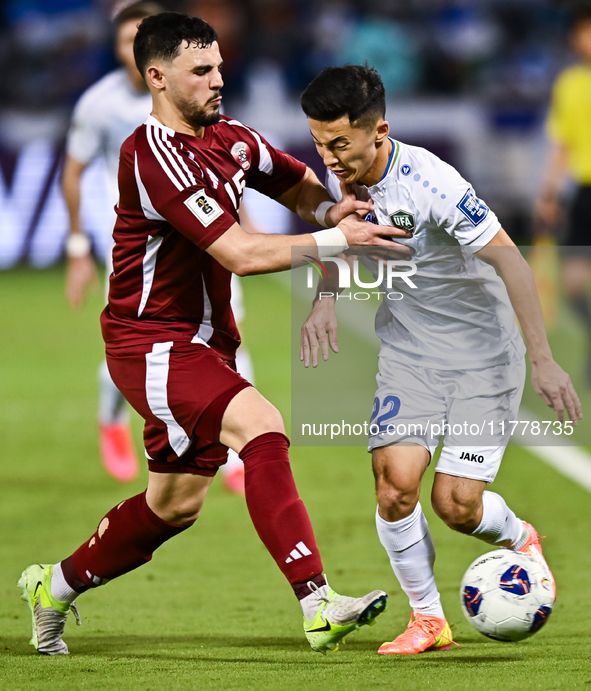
(533, 548)
(117, 452)
(424, 633)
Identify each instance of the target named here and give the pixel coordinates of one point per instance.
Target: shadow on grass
(165, 647)
(476, 659)
(209, 649)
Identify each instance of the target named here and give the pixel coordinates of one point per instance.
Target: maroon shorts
(181, 390)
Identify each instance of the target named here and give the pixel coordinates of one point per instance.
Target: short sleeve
(84, 135)
(172, 188)
(196, 214)
(446, 200)
(276, 171)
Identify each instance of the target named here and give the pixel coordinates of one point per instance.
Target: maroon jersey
(177, 195)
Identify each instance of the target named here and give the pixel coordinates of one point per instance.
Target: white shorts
(467, 408)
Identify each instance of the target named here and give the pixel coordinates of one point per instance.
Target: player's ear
(155, 77)
(382, 130)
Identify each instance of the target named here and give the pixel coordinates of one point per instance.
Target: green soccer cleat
(49, 615)
(338, 615)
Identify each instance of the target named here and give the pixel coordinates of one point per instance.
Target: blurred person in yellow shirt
(569, 129)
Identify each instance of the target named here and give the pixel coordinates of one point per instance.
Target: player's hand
(81, 275)
(349, 204)
(319, 331)
(360, 232)
(554, 386)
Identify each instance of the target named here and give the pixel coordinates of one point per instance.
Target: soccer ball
(506, 595)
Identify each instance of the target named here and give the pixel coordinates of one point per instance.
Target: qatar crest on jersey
(241, 154)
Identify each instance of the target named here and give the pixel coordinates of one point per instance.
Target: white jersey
(459, 316)
(106, 114)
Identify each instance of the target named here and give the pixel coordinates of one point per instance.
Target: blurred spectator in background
(569, 128)
(106, 114)
(55, 48)
(467, 77)
(383, 40)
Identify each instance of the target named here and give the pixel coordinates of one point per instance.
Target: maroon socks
(125, 539)
(129, 534)
(278, 513)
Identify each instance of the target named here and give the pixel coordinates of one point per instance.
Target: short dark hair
(160, 37)
(353, 90)
(137, 10)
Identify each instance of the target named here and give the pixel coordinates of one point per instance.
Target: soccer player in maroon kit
(171, 337)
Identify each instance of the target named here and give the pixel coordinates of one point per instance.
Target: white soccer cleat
(338, 615)
(49, 616)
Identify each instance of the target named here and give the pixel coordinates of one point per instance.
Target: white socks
(499, 525)
(311, 603)
(60, 590)
(412, 555)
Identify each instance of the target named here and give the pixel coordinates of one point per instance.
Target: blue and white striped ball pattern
(506, 595)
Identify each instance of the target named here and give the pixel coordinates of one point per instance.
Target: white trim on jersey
(205, 329)
(158, 138)
(265, 160)
(151, 120)
(157, 366)
(148, 268)
(160, 160)
(200, 341)
(180, 158)
(147, 207)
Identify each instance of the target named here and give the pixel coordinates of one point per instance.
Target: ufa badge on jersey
(404, 220)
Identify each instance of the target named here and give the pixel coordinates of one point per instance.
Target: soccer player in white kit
(106, 114)
(450, 351)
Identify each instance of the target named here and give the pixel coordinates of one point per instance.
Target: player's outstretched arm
(81, 270)
(309, 193)
(550, 381)
(246, 254)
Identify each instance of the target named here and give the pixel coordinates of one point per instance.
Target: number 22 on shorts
(390, 408)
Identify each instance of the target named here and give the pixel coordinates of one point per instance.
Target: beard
(199, 116)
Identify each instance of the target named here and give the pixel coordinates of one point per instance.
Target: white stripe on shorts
(148, 268)
(157, 395)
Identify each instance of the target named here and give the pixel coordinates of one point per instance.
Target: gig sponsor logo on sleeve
(205, 208)
(474, 209)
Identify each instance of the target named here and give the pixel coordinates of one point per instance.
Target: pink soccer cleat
(117, 452)
(424, 633)
(533, 548)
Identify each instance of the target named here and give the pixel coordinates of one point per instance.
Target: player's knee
(178, 511)
(247, 417)
(395, 502)
(272, 420)
(183, 515)
(457, 516)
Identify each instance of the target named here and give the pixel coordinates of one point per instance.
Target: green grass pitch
(212, 611)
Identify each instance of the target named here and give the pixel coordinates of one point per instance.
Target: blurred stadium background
(469, 79)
